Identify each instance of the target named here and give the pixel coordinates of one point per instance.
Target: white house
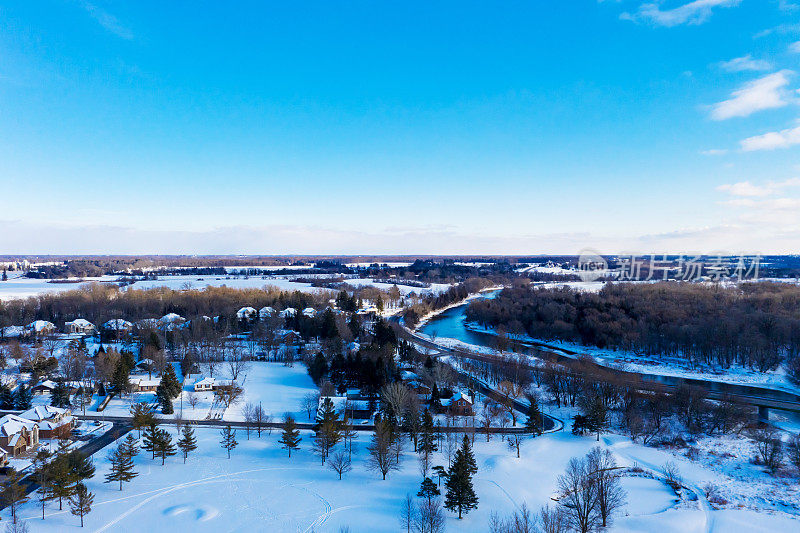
(41, 327)
(171, 319)
(310, 312)
(288, 312)
(80, 326)
(17, 434)
(246, 313)
(266, 312)
(118, 326)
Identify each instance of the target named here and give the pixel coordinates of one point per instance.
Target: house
(310, 312)
(288, 312)
(18, 435)
(422, 391)
(146, 365)
(211, 384)
(44, 386)
(342, 405)
(117, 328)
(41, 328)
(3, 457)
(266, 312)
(10, 332)
(170, 320)
(459, 405)
(53, 422)
(80, 326)
(246, 313)
(141, 384)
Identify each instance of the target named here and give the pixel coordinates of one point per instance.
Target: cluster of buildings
(20, 434)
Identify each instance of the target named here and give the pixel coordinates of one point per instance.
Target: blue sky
(389, 127)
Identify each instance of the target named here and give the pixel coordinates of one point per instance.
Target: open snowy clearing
(261, 489)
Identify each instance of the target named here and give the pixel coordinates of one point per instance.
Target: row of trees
(750, 324)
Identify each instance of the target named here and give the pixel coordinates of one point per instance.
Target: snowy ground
(260, 489)
(279, 389)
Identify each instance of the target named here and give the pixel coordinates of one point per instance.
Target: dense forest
(751, 324)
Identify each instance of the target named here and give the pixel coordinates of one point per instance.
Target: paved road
(715, 390)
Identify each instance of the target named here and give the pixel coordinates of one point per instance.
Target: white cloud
(768, 92)
(744, 188)
(741, 64)
(695, 12)
(714, 151)
(107, 20)
(772, 140)
(795, 47)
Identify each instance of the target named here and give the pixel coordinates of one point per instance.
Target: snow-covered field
(278, 388)
(260, 489)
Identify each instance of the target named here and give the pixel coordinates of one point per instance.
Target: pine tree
(187, 443)
(162, 445)
(149, 438)
(41, 463)
(81, 466)
(5, 275)
(80, 502)
(142, 416)
(164, 399)
(329, 431)
(534, 422)
(122, 467)
(61, 480)
(170, 381)
(13, 494)
(7, 400)
(290, 437)
(130, 446)
(59, 396)
(460, 495)
(120, 380)
(428, 489)
(228, 439)
(24, 398)
(427, 437)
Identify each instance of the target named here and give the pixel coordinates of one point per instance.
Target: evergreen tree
(5, 275)
(428, 489)
(41, 463)
(59, 396)
(122, 467)
(170, 381)
(427, 437)
(187, 443)
(460, 494)
(24, 398)
(534, 422)
(81, 466)
(80, 502)
(7, 400)
(130, 446)
(61, 480)
(318, 368)
(228, 439)
(164, 399)
(329, 430)
(162, 445)
(290, 437)
(149, 438)
(120, 380)
(435, 395)
(13, 494)
(142, 416)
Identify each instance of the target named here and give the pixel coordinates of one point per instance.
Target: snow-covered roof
(246, 312)
(47, 384)
(461, 396)
(11, 425)
(80, 323)
(43, 412)
(143, 382)
(13, 331)
(206, 381)
(266, 311)
(40, 325)
(407, 375)
(309, 311)
(170, 318)
(117, 324)
(289, 311)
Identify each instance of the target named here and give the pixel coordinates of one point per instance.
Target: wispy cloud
(106, 20)
(714, 151)
(772, 140)
(768, 92)
(795, 47)
(744, 63)
(745, 188)
(695, 12)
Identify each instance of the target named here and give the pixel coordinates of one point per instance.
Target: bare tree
(429, 517)
(408, 513)
(340, 463)
(578, 496)
(310, 403)
(249, 413)
(769, 447)
(606, 476)
(192, 399)
(382, 457)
